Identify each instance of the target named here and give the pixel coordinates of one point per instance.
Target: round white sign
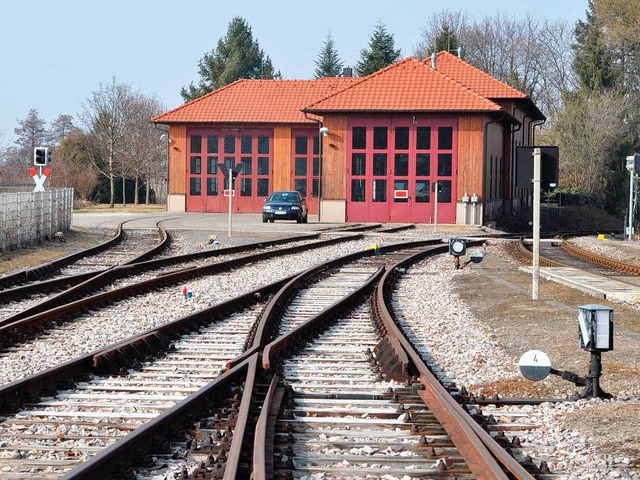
(535, 365)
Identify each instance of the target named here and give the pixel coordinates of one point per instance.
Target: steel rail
(582, 254)
(481, 452)
(528, 254)
(49, 268)
(12, 325)
(123, 354)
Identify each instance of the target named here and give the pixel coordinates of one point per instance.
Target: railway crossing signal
(41, 156)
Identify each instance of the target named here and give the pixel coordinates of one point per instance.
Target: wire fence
(27, 218)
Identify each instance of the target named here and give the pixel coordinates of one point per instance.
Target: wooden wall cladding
(470, 154)
(281, 172)
(178, 160)
(334, 158)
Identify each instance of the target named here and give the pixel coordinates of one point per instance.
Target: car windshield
(283, 197)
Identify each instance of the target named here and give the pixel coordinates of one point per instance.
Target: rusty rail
(617, 265)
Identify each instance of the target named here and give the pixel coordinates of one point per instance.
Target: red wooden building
(409, 140)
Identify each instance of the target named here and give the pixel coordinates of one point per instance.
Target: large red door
(306, 166)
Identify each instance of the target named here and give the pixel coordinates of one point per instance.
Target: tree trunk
(112, 184)
(136, 198)
(124, 193)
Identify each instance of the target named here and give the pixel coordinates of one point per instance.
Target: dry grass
(101, 208)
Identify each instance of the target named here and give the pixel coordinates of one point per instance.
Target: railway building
(419, 141)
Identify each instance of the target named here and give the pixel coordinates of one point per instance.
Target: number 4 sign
(39, 179)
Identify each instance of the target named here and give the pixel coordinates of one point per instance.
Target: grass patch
(104, 208)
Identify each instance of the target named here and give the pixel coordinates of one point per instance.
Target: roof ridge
(449, 55)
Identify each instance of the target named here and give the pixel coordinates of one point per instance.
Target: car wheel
(299, 219)
(305, 219)
(264, 219)
(272, 220)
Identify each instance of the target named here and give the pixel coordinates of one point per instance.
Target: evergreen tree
(592, 64)
(328, 63)
(31, 132)
(381, 52)
(446, 40)
(237, 56)
(61, 127)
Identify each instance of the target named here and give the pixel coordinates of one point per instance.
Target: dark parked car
(285, 205)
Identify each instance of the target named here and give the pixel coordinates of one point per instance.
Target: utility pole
(537, 169)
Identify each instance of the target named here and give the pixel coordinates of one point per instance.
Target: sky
(55, 53)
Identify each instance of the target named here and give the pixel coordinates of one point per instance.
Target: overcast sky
(56, 52)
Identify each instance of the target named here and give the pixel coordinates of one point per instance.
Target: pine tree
(593, 64)
(237, 56)
(328, 63)
(31, 133)
(381, 52)
(446, 40)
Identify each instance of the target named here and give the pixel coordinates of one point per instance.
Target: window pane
(245, 187)
(423, 138)
(301, 186)
(445, 138)
(422, 191)
(245, 144)
(444, 164)
(196, 165)
(316, 166)
(212, 144)
(380, 138)
(444, 191)
(212, 186)
(401, 185)
(358, 164)
(379, 163)
(263, 165)
(263, 144)
(379, 191)
(229, 144)
(316, 145)
(357, 190)
(301, 145)
(402, 138)
(301, 167)
(401, 167)
(246, 166)
(359, 138)
(263, 187)
(423, 164)
(229, 163)
(194, 186)
(212, 165)
(196, 144)
(315, 187)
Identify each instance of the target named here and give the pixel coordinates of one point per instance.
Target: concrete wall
(26, 218)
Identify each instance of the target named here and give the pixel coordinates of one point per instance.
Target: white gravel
(464, 348)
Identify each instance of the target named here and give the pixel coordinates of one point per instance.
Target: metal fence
(26, 218)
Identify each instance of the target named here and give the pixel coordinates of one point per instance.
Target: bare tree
(106, 114)
(60, 128)
(454, 21)
(75, 159)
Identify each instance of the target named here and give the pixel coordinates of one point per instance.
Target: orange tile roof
(474, 78)
(256, 101)
(408, 85)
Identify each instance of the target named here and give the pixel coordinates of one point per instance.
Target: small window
(196, 144)
(316, 166)
(380, 164)
(212, 186)
(380, 138)
(196, 165)
(423, 165)
(263, 187)
(301, 145)
(444, 191)
(445, 138)
(245, 187)
(263, 165)
(422, 191)
(246, 166)
(423, 138)
(357, 190)
(444, 164)
(212, 144)
(194, 186)
(301, 166)
(379, 191)
(401, 185)
(229, 163)
(316, 145)
(401, 166)
(245, 144)
(301, 186)
(359, 138)
(212, 165)
(402, 138)
(315, 187)
(229, 144)
(358, 165)
(263, 144)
